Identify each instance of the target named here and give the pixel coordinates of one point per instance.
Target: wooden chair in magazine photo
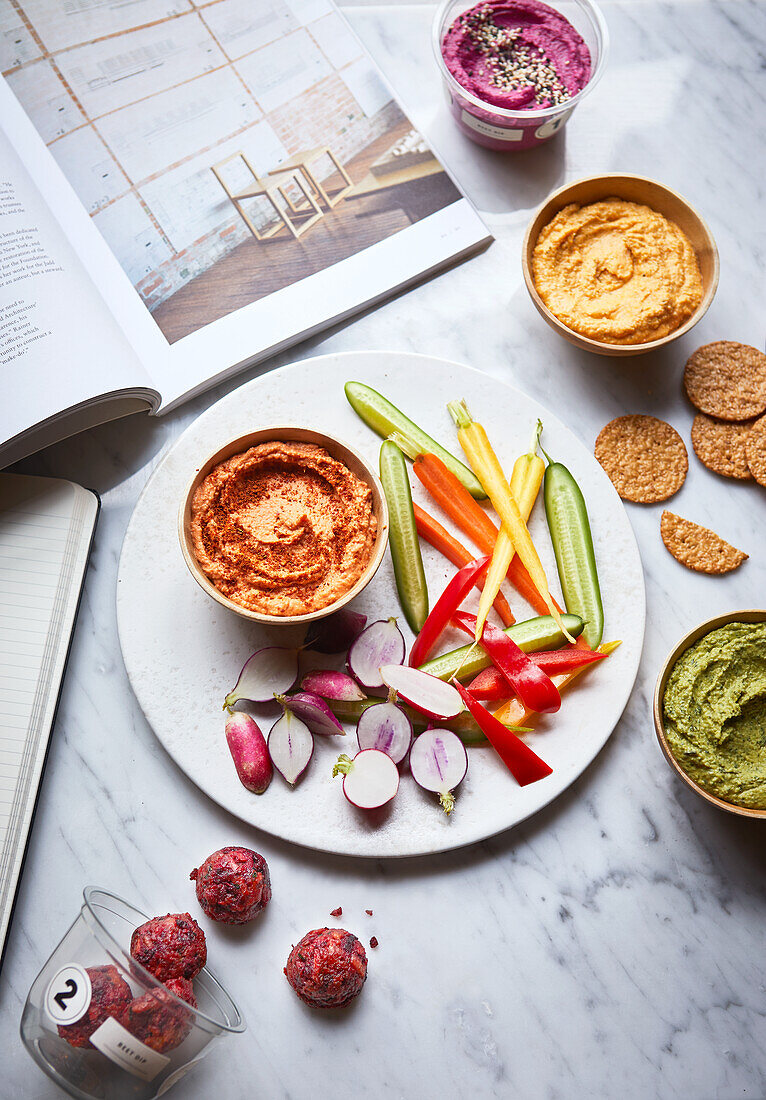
(331, 189)
(286, 191)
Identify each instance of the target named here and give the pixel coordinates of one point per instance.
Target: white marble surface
(611, 946)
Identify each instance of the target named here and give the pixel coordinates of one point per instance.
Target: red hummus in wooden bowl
(283, 529)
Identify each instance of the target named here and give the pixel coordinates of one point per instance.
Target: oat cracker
(755, 449)
(698, 548)
(720, 445)
(727, 380)
(644, 457)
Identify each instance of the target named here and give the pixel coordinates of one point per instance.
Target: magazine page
(240, 159)
(54, 327)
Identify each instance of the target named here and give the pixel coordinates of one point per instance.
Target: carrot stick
(514, 713)
(485, 464)
(442, 485)
(437, 536)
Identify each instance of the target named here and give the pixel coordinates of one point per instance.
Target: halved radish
(432, 697)
(438, 762)
(313, 711)
(291, 747)
(370, 780)
(268, 672)
(381, 643)
(385, 726)
(335, 633)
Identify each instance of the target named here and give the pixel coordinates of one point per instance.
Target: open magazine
(187, 187)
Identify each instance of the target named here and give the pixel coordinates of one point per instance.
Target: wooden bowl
(338, 450)
(632, 189)
(750, 616)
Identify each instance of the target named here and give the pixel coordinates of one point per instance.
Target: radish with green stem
(370, 780)
(385, 726)
(438, 763)
(291, 746)
(332, 685)
(313, 711)
(432, 697)
(268, 672)
(381, 643)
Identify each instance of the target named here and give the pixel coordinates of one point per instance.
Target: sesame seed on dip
(517, 54)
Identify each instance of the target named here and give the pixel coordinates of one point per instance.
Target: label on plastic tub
(499, 133)
(116, 1042)
(68, 995)
(552, 126)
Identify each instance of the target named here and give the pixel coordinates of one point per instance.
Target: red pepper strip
(523, 764)
(444, 608)
(490, 683)
(534, 687)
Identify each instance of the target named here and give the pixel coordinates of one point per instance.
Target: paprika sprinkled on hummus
(616, 271)
(715, 713)
(284, 528)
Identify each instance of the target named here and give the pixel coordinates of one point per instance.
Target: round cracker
(720, 445)
(644, 458)
(727, 380)
(698, 548)
(755, 449)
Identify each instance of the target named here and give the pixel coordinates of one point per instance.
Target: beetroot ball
(172, 946)
(110, 995)
(182, 988)
(233, 885)
(156, 1019)
(328, 968)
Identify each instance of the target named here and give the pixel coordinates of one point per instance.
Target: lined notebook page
(46, 527)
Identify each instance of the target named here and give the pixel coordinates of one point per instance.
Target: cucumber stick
(542, 632)
(403, 539)
(384, 418)
(573, 546)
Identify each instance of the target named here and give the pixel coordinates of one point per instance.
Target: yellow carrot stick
(485, 464)
(526, 479)
(514, 713)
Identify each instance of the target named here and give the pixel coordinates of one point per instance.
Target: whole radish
(249, 752)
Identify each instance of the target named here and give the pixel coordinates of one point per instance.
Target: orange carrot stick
(441, 484)
(437, 536)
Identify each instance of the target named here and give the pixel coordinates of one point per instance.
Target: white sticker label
(68, 995)
(116, 1042)
(500, 133)
(552, 126)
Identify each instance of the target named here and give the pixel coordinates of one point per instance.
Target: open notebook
(46, 530)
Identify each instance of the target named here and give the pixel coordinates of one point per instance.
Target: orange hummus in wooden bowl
(617, 271)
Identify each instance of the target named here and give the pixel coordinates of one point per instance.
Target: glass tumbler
(100, 1025)
(512, 131)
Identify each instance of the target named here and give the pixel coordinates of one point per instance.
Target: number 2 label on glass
(68, 995)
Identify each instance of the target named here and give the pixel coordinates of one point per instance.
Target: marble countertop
(610, 946)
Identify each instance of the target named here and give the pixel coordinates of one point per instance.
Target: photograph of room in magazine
(227, 150)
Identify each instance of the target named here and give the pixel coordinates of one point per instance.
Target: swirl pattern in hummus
(616, 271)
(284, 528)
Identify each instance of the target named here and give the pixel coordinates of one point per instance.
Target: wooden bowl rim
(548, 209)
(338, 449)
(750, 615)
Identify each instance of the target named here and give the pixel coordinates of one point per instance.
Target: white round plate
(183, 652)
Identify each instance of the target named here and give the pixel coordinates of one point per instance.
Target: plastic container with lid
(514, 130)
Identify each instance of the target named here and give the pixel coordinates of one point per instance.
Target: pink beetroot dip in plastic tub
(522, 127)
